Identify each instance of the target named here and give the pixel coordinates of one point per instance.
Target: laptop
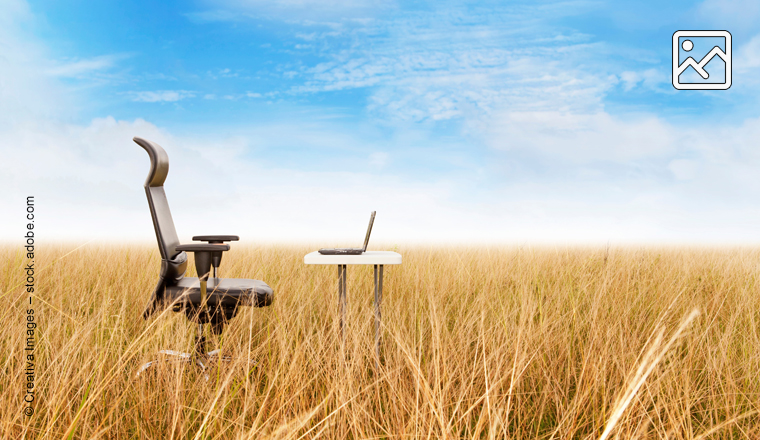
(352, 251)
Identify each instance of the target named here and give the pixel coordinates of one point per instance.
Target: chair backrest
(174, 263)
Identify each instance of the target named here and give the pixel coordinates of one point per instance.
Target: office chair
(205, 300)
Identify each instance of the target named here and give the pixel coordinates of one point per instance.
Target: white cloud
(81, 67)
(649, 78)
(731, 14)
(161, 95)
(378, 159)
(701, 166)
(580, 138)
(700, 186)
(683, 169)
(747, 57)
(87, 181)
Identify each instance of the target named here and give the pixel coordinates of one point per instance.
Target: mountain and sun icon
(711, 68)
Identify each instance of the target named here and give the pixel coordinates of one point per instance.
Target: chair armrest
(216, 238)
(203, 247)
(204, 255)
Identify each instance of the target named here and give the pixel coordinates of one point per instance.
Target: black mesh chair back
(173, 263)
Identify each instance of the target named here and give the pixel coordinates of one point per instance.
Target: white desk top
(369, 257)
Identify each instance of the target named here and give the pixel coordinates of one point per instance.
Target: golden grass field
(531, 343)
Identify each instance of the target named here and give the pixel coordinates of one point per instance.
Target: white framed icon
(701, 80)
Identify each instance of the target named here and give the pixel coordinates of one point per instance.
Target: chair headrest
(159, 162)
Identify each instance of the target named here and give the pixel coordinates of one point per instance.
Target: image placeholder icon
(702, 60)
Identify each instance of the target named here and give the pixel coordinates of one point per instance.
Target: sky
(458, 122)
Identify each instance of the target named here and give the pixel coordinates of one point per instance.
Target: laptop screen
(369, 230)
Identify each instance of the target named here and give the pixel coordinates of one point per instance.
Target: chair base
(200, 357)
(204, 362)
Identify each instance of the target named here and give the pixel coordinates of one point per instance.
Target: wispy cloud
(461, 64)
(163, 95)
(223, 73)
(235, 96)
(304, 11)
(649, 78)
(78, 68)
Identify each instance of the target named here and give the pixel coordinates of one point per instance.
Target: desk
(376, 258)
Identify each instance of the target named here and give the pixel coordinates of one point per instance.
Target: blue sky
(508, 122)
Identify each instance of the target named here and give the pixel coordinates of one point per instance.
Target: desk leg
(378, 315)
(342, 297)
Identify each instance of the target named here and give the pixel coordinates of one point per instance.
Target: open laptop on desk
(352, 251)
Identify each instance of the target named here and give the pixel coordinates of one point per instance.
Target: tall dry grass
(477, 343)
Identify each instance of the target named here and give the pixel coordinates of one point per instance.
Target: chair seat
(222, 292)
